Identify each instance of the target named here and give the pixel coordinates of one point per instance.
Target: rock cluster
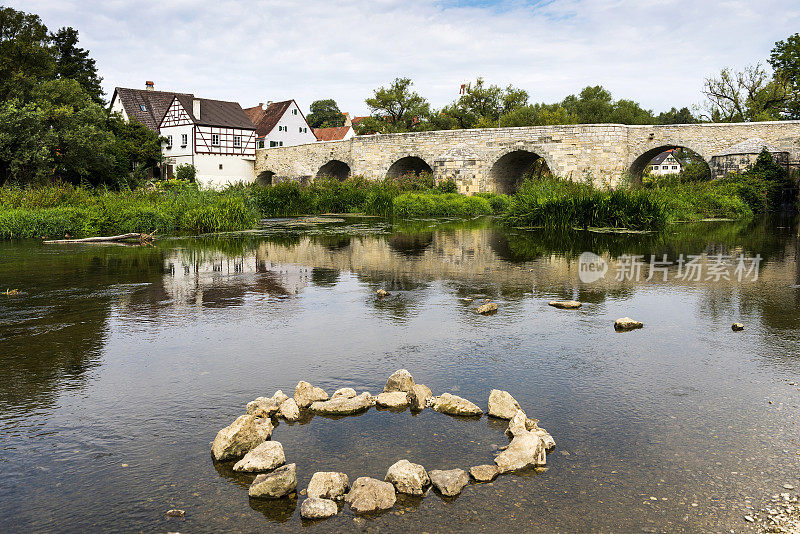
(247, 440)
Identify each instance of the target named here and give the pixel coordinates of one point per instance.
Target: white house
(665, 163)
(280, 124)
(215, 136)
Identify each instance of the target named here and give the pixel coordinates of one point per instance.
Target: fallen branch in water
(143, 238)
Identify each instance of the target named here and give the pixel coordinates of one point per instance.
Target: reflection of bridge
(494, 159)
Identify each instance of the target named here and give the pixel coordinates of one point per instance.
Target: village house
(280, 124)
(335, 133)
(214, 136)
(665, 163)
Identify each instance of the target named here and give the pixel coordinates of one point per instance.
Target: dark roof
(336, 133)
(156, 104)
(216, 113)
(661, 157)
(266, 119)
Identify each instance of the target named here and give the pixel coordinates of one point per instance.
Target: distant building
(280, 124)
(336, 133)
(665, 163)
(215, 136)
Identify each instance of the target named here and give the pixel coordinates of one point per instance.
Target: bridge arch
(408, 165)
(265, 178)
(507, 172)
(639, 163)
(334, 169)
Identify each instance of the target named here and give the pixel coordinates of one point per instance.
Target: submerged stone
(276, 484)
(565, 304)
(487, 309)
(626, 323)
(262, 407)
(370, 495)
(484, 473)
(737, 327)
(265, 457)
(316, 508)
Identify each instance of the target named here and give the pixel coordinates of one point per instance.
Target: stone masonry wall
(604, 153)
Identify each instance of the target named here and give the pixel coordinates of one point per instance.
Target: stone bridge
(494, 159)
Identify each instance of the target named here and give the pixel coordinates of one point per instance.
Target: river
(118, 365)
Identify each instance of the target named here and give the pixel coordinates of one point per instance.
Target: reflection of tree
(323, 277)
(52, 336)
(332, 241)
(410, 244)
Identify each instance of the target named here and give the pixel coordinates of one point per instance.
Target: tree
(74, 63)
(136, 151)
(25, 58)
(630, 112)
(676, 116)
(325, 114)
(743, 96)
(785, 61)
(481, 105)
(538, 115)
(396, 108)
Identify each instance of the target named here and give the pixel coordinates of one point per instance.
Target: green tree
(630, 112)
(25, 56)
(74, 63)
(676, 116)
(538, 115)
(593, 105)
(785, 61)
(481, 105)
(396, 109)
(136, 151)
(743, 96)
(325, 114)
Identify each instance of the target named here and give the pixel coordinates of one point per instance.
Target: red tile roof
(266, 119)
(336, 133)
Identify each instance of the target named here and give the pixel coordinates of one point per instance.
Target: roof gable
(266, 119)
(216, 113)
(146, 107)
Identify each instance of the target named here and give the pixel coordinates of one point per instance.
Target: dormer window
(294, 112)
(142, 107)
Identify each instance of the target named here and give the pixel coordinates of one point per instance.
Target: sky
(656, 52)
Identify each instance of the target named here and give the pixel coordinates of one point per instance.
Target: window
(665, 167)
(261, 143)
(273, 143)
(184, 139)
(655, 167)
(674, 167)
(169, 141)
(300, 129)
(237, 141)
(294, 112)
(214, 139)
(305, 130)
(220, 166)
(142, 107)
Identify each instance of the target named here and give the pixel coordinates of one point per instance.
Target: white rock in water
(316, 508)
(487, 308)
(262, 407)
(265, 457)
(343, 405)
(484, 473)
(408, 478)
(370, 495)
(518, 423)
(565, 304)
(401, 380)
(626, 323)
(328, 485)
(502, 404)
(344, 392)
(305, 394)
(418, 397)
(280, 397)
(237, 439)
(450, 482)
(289, 410)
(455, 405)
(395, 399)
(275, 485)
(525, 450)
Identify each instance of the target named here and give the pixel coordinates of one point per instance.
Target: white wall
(293, 134)
(176, 132)
(669, 162)
(116, 107)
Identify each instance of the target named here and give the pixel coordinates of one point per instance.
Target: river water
(118, 365)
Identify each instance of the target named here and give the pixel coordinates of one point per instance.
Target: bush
(498, 201)
(44, 222)
(408, 205)
(186, 172)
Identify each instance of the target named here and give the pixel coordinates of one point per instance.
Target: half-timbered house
(215, 136)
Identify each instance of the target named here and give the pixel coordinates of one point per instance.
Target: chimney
(265, 106)
(196, 108)
(347, 121)
(150, 86)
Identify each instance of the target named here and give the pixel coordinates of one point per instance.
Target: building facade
(280, 124)
(665, 163)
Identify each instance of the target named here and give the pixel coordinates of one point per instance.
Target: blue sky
(654, 51)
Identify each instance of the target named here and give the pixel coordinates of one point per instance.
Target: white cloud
(655, 52)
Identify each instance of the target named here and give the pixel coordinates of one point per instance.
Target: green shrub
(186, 172)
(53, 223)
(409, 205)
(498, 201)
